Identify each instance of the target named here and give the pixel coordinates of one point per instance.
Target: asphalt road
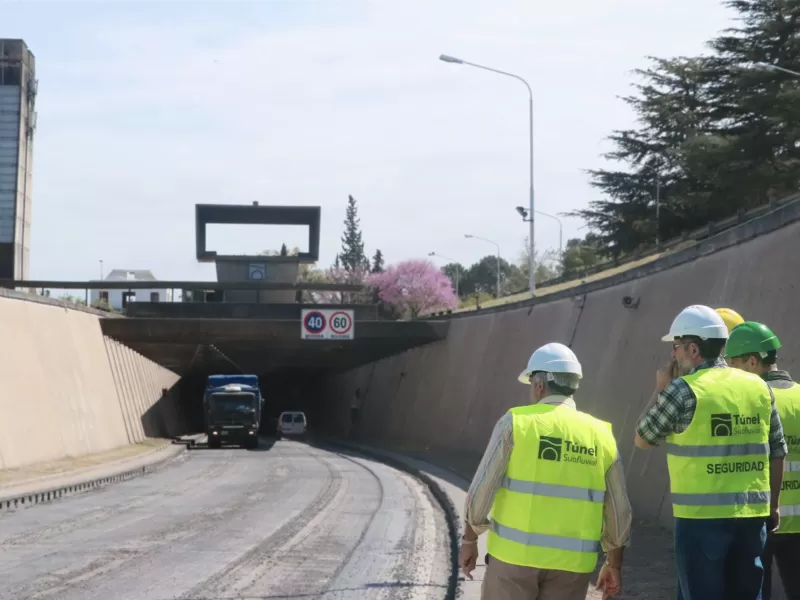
(286, 521)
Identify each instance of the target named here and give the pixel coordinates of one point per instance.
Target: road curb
(451, 515)
(50, 494)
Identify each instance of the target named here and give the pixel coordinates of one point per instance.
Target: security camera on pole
(524, 213)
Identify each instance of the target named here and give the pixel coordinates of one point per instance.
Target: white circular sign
(340, 323)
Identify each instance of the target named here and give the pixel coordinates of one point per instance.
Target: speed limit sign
(326, 324)
(314, 324)
(341, 325)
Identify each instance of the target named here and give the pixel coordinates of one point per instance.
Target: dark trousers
(719, 559)
(785, 549)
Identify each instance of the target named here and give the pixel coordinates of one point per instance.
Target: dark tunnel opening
(294, 374)
(287, 390)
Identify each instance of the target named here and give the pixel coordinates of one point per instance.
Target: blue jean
(719, 559)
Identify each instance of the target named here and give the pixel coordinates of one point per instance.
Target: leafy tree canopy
(378, 263)
(715, 134)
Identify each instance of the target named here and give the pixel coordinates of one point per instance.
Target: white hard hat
(552, 358)
(701, 321)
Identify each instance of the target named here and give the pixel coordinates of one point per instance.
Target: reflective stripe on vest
(556, 542)
(719, 466)
(552, 490)
(788, 403)
(548, 512)
(718, 451)
(725, 499)
(791, 510)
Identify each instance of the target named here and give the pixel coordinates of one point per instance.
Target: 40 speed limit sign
(326, 324)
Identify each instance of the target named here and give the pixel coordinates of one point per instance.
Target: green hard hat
(751, 338)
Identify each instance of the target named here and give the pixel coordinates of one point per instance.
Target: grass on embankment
(469, 305)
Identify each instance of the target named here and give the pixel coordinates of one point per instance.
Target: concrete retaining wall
(444, 399)
(68, 391)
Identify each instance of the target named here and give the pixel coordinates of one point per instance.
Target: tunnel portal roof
(263, 346)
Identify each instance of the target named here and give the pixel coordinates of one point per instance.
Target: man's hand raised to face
(666, 374)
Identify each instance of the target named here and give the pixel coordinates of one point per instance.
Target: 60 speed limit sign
(317, 324)
(341, 325)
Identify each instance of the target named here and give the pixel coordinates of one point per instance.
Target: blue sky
(147, 108)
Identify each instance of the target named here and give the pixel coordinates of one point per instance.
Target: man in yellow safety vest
(552, 479)
(725, 452)
(753, 347)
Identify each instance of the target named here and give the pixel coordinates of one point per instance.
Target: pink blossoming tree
(412, 287)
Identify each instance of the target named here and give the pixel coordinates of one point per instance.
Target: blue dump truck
(232, 405)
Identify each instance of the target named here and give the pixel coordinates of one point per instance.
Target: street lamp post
(658, 209)
(475, 237)
(452, 260)
(522, 211)
(458, 61)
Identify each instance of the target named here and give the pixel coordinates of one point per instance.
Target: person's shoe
(486, 558)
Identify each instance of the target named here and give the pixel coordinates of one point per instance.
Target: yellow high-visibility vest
(719, 466)
(549, 511)
(788, 403)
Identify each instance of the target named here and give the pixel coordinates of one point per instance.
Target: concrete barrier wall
(444, 399)
(146, 394)
(68, 391)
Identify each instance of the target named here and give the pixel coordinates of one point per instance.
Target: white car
(292, 423)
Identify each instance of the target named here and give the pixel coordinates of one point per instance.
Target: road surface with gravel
(284, 521)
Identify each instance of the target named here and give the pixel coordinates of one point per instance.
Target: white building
(118, 299)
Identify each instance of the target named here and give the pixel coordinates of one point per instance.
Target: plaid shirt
(674, 410)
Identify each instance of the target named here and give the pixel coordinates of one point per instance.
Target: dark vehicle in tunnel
(232, 406)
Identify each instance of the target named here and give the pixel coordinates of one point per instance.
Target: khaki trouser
(503, 581)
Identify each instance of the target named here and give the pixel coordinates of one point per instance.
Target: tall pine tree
(759, 110)
(716, 134)
(352, 256)
(672, 111)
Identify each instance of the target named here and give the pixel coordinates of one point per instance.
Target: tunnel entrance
(290, 390)
(291, 370)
